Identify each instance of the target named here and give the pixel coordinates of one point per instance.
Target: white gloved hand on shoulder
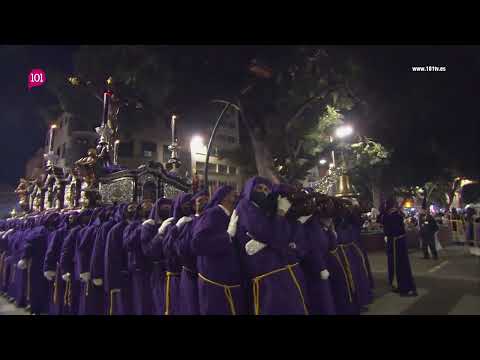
(324, 274)
(97, 282)
(163, 227)
(148, 222)
(85, 277)
(183, 221)
(66, 276)
(22, 264)
(49, 275)
(253, 246)
(283, 204)
(232, 225)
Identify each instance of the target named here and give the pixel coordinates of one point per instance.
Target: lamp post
(212, 136)
(343, 187)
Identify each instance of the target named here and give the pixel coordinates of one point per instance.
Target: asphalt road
(448, 286)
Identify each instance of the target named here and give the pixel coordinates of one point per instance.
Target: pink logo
(36, 78)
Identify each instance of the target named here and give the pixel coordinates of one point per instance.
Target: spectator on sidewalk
(469, 219)
(428, 228)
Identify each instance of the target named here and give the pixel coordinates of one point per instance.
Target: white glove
(254, 246)
(324, 274)
(22, 264)
(66, 276)
(183, 221)
(148, 222)
(97, 282)
(6, 233)
(49, 275)
(386, 239)
(164, 225)
(303, 219)
(85, 277)
(232, 225)
(283, 204)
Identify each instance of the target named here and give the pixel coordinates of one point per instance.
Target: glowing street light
(323, 162)
(344, 131)
(196, 144)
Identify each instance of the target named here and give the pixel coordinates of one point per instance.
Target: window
(64, 147)
(222, 169)
(232, 170)
(229, 124)
(212, 167)
(125, 149)
(227, 139)
(149, 149)
(58, 151)
(200, 167)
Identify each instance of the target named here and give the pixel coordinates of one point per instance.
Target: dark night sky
(21, 128)
(442, 104)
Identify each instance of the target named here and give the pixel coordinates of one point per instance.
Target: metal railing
(460, 233)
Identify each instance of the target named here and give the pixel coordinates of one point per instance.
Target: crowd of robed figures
(254, 254)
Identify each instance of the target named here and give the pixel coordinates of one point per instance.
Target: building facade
(221, 170)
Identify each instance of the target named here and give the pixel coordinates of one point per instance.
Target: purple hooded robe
(52, 263)
(117, 277)
(34, 250)
(220, 290)
(97, 262)
(151, 243)
(69, 264)
(277, 284)
(355, 264)
(139, 267)
(83, 253)
(312, 244)
(189, 273)
(172, 264)
(399, 270)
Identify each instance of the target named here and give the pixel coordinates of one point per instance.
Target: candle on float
(106, 104)
(50, 144)
(173, 129)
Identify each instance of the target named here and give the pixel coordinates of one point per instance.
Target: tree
(300, 93)
(367, 161)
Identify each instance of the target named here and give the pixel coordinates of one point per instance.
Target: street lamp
(323, 161)
(343, 187)
(343, 131)
(196, 144)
